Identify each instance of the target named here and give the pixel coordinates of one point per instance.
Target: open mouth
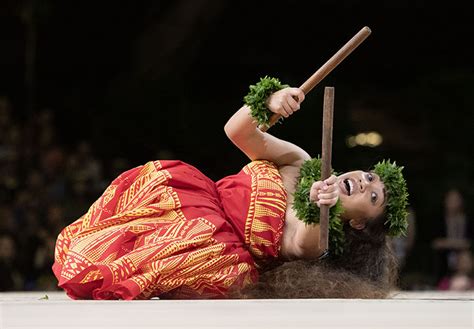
(349, 185)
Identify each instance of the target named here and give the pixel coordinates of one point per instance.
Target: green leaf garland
(397, 194)
(257, 97)
(309, 212)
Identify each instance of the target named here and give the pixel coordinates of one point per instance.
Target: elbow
(236, 133)
(228, 129)
(295, 251)
(239, 126)
(302, 251)
(308, 252)
(230, 132)
(306, 246)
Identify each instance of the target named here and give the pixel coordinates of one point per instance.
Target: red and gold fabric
(165, 229)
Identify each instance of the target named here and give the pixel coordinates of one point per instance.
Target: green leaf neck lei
(309, 212)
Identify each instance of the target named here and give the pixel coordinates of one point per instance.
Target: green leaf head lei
(257, 97)
(397, 196)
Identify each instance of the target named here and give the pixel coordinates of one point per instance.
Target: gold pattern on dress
(176, 252)
(267, 200)
(92, 276)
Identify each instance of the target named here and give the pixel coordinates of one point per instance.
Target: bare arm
(299, 240)
(242, 130)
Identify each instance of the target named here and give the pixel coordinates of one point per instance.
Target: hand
(325, 192)
(285, 101)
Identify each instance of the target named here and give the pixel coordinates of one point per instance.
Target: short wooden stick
(328, 113)
(324, 70)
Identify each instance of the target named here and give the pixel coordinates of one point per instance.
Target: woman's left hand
(325, 192)
(285, 101)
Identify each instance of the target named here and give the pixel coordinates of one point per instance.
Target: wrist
(258, 96)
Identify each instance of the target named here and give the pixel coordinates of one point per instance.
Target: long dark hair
(366, 269)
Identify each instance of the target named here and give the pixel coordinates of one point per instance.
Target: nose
(362, 185)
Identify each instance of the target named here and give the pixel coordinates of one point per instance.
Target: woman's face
(362, 195)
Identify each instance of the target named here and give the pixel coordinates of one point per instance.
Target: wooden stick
(324, 70)
(328, 113)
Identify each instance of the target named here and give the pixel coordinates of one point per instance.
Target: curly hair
(366, 269)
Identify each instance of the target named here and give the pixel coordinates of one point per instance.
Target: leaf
(308, 212)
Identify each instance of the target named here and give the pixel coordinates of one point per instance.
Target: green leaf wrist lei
(257, 97)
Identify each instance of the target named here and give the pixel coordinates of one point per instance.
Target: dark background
(149, 79)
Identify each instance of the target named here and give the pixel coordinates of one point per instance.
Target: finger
(326, 196)
(332, 188)
(315, 190)
(317, 185)
(298, 93)
(313, 196)
(294, 104)
(327, 202)
(331, 180)
(287, 109)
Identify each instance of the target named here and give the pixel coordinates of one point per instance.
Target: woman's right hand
(325, 192)
(285, 101)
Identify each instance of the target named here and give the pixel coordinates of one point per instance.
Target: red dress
(165, 229)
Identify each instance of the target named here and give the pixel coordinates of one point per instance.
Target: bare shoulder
(299, 241)
(289, 175)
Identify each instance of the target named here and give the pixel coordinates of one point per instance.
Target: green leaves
(309, 212)
(397, 194)
(257, 97)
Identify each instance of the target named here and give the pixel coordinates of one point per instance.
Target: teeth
(351, 186)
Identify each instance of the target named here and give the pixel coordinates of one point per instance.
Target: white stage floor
(405, 310)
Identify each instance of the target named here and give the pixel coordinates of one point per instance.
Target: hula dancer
(164, 229)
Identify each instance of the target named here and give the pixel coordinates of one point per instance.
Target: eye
(370, 177)
(373, 197)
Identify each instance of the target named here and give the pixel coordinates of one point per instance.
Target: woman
(164, 229)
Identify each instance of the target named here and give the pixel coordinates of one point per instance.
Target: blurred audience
(10, 277)
(43, 187)
(455, 233)
(462, 278)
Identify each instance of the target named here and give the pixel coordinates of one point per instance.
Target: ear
(355, 224)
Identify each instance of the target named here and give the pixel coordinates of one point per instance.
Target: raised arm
(243, 131)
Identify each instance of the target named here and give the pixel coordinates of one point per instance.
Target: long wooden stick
(324, 70)
(328, 114)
